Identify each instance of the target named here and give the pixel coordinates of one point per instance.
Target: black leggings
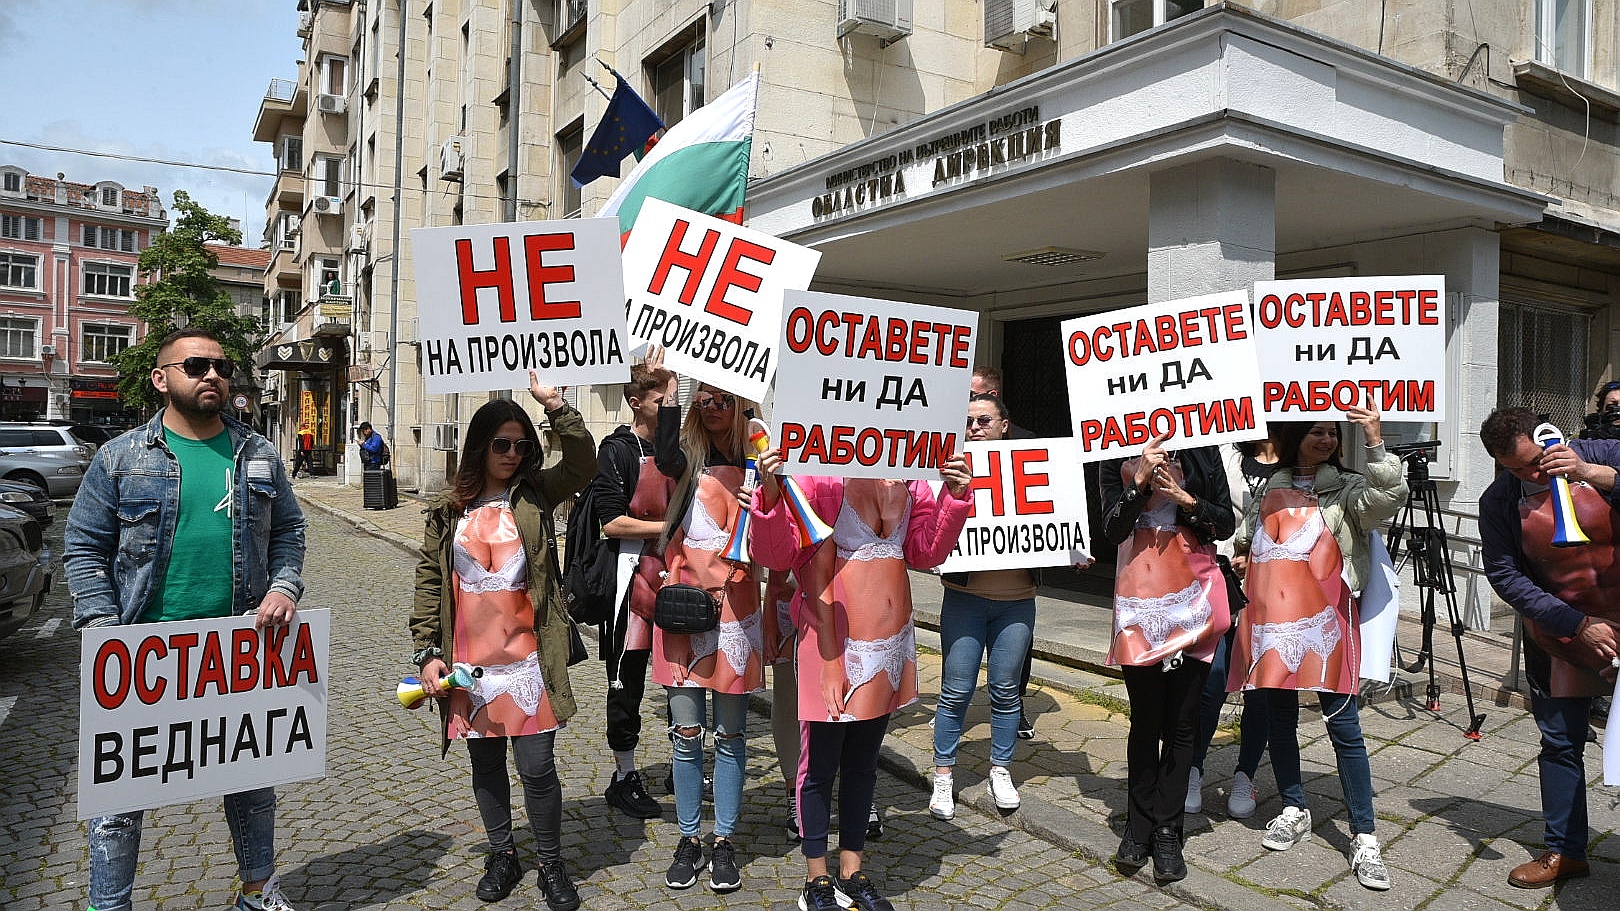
(828, 749)
(542, 792)
(1159, 747)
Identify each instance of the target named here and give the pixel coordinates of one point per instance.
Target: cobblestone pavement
(394, 826)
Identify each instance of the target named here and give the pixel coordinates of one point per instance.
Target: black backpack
(591, 576)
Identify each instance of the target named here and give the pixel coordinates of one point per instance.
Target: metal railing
(281, 90)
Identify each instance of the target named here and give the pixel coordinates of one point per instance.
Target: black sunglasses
(983, 420)
(500, 445)
(719, 402)
(198, 367)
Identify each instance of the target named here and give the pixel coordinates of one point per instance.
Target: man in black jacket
(631, 497)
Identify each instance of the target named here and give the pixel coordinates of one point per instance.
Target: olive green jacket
(533, 497)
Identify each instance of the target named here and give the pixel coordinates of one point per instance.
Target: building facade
(1030, 160)
(69, 255)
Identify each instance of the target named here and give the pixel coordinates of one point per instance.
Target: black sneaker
(501, 873)
(627, 795)
(723, 873)
(1168, 864)
(1026, 728)
(683, 871)
(557, 887)
(793, 818)
(874, 823)
(863, 893)
(1130, 856)
(821, 894)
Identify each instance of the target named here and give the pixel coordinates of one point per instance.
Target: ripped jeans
(687, 709)
(115, 846)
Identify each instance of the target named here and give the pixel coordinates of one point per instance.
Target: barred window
(1542, 361)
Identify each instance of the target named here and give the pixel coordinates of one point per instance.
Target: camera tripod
(1418, 524)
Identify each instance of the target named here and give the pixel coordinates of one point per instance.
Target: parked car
(44, 455)
(25, 569)
(97, 435)
(30, 499)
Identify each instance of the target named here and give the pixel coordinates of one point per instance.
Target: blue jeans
(1251, 724)
(688, 709)
(967, 625)
(1342, 716)
(115, 846)
(1562, 765)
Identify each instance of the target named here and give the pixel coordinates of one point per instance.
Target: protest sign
(710, 293)
(1184, 367)
(1328, 344)
(871, 388)
(1023, 515)
(495, 301)
(173, 712)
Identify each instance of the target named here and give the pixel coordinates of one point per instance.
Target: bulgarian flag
(700, 164)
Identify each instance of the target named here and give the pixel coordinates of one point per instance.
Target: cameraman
(1604, 423)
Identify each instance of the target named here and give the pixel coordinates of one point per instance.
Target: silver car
(46, 456)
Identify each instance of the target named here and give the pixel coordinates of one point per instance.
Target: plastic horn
(737, 545)
(1566, 529)
(812, 530)
(410, 691)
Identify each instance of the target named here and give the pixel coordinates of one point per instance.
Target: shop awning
(318, 354)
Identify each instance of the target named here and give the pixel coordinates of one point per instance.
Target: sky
(179, 80)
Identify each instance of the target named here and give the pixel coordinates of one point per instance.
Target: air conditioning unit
(1008, 24)
(331, 104)
(360, 238)
(452, 159)
(327, 205)
(306, 21)
(889, 20)
(48, 350)
(446, 437)
(292, 225)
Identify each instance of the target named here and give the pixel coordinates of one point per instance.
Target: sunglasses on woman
(720, 402)
(501, 445)
(197, 367)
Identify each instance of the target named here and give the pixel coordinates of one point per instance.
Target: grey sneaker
(1195, 792)
(1240, 801)
(1291, 827)
(1367, 860)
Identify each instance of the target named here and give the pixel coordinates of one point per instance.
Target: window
(1561, 30)
(101, 341)
(328, 175)
(109, 238)
(570, 145)
(292, 153)
(677, 81)
(19, 227)
(335, 75)
(19, 270)
(109, 196)
(13, 182)
(1133, 16)
(286, 305)
(108, 279)
(328, 277)
(19, 337)
(1542, 360)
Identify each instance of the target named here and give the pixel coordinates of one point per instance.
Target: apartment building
(69, 255)
(1030, 160)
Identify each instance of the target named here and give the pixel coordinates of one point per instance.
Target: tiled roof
(240, 256)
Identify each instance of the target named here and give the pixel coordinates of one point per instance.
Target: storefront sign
(871, 388)
(1026, 512)
(1329, 344)
(173, 712)
(710, 293)
(1184, 368)
(498, 300)
(960, 156)
(94, 389)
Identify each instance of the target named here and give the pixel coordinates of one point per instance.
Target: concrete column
(1212, 226)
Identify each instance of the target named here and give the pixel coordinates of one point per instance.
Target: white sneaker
(1240, 801)
(1291, 827)
(1195, 792)
(267, 899)
(1367, 860)
(943, 804)
(1002, 789)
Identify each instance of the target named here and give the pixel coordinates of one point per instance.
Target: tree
(181, 292)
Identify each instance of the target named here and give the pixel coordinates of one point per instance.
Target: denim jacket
(121, 528)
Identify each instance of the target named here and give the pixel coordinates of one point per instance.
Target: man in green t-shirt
(191, 516)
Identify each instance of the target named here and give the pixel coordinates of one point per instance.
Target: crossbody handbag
(682, 608)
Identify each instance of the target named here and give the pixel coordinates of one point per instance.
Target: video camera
(1604, 424)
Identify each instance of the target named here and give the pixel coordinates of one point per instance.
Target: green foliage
(181, 291)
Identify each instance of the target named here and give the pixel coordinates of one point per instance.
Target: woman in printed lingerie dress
(857, 649)
(1165, 511)
(488, 595)
(1308, 536)
(727, 663)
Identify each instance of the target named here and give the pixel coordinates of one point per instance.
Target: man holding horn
(1562, 595)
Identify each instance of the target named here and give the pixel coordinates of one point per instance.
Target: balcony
(333, 315)
(282, 99)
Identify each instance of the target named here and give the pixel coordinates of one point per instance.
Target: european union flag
(625, 127)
